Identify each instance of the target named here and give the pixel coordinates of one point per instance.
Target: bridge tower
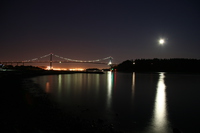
(110, 61)
(51, 67)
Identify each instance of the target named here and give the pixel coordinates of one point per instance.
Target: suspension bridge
(59, 59)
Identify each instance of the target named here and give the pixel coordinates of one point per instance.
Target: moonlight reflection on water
(159, 121)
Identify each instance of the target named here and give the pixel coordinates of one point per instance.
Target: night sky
(94, 29)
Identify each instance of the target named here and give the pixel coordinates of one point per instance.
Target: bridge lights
(110, 63)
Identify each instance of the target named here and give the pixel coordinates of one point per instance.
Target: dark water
(133, 102)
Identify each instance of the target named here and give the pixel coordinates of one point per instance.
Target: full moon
(161, 41)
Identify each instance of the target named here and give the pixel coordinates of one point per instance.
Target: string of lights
(34, 59)
(68, 59)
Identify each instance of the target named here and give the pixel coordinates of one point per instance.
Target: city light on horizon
(64, 69)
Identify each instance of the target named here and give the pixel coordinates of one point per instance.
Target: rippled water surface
(135, 102)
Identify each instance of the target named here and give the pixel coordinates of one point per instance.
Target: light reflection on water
(59, 84)
(159, 122)
(47, 87)
(133, 84)
(109, 88)
(141, 101)
(85, 89)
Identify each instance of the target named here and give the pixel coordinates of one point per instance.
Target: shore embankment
(32, 73)
(24, 112)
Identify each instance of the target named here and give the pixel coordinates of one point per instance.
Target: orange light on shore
(48, 68)
(76, 69)
(65, 69)
(59, 69)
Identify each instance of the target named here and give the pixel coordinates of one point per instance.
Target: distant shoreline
(32, 73)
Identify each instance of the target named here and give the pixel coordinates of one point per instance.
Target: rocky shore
(27, 109)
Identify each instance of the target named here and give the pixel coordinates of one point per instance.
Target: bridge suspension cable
(97, 60)
(34, 59)
(68, 59)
